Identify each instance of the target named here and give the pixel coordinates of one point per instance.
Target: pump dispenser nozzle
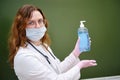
(81, 23)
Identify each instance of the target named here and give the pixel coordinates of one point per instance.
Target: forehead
(36, 15)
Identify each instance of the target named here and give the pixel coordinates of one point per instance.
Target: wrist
(76, 53)
(79, 66)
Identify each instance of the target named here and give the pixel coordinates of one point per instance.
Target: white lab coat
(31, 65)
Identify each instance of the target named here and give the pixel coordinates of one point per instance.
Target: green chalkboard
(102, 20)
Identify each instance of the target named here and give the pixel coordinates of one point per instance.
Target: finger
(93, 64)
(93, 60)
(90, 41)
(89, 38)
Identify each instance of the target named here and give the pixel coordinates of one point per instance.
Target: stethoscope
(46, 57)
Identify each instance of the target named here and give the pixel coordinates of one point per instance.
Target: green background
(102, 20)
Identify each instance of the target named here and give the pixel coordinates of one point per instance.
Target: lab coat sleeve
(67, 63)
(28, 67)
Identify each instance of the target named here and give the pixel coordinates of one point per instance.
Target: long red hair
(17, 36)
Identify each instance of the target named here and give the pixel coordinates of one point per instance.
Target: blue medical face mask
(35, 34)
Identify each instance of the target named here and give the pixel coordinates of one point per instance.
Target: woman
(30, 54)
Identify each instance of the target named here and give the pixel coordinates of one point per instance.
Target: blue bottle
(83, 34)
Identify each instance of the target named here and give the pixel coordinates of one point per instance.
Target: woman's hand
(86, 63)
(76, 50)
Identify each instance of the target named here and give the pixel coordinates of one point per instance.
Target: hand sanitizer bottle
(83, 34)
